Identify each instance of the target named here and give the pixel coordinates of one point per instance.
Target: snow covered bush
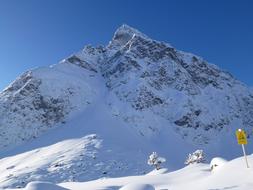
(155, 160)
(195, 157)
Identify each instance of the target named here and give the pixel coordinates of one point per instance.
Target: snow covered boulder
(39, 185)
(137, 187)
(217, 162)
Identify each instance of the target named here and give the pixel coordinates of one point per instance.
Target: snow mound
(38, 185)
(217, 163)
(137, 187)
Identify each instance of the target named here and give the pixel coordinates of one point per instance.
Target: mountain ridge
(157, 96)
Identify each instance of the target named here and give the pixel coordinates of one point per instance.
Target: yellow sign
(241, 136)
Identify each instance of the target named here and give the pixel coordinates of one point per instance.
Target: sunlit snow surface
(233, 175)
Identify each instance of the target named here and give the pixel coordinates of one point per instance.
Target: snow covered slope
(41, 98)
(103, 110)
(232, 175)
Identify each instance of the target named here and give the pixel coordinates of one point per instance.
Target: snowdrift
(233, 175)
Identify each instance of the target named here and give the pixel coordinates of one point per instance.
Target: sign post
(242, 140)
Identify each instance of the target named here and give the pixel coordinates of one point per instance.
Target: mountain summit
(103, 110)
(123, 35)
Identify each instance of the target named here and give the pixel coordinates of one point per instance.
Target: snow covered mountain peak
(123, 35)
(143, 75)
(136, 94)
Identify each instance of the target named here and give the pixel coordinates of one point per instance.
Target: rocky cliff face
(39, 100)
(197, 99)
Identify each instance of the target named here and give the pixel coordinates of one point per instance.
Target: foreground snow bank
(38, 185)
(137, 187)
(232, 175)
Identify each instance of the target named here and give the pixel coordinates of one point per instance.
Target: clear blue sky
(37, 33)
